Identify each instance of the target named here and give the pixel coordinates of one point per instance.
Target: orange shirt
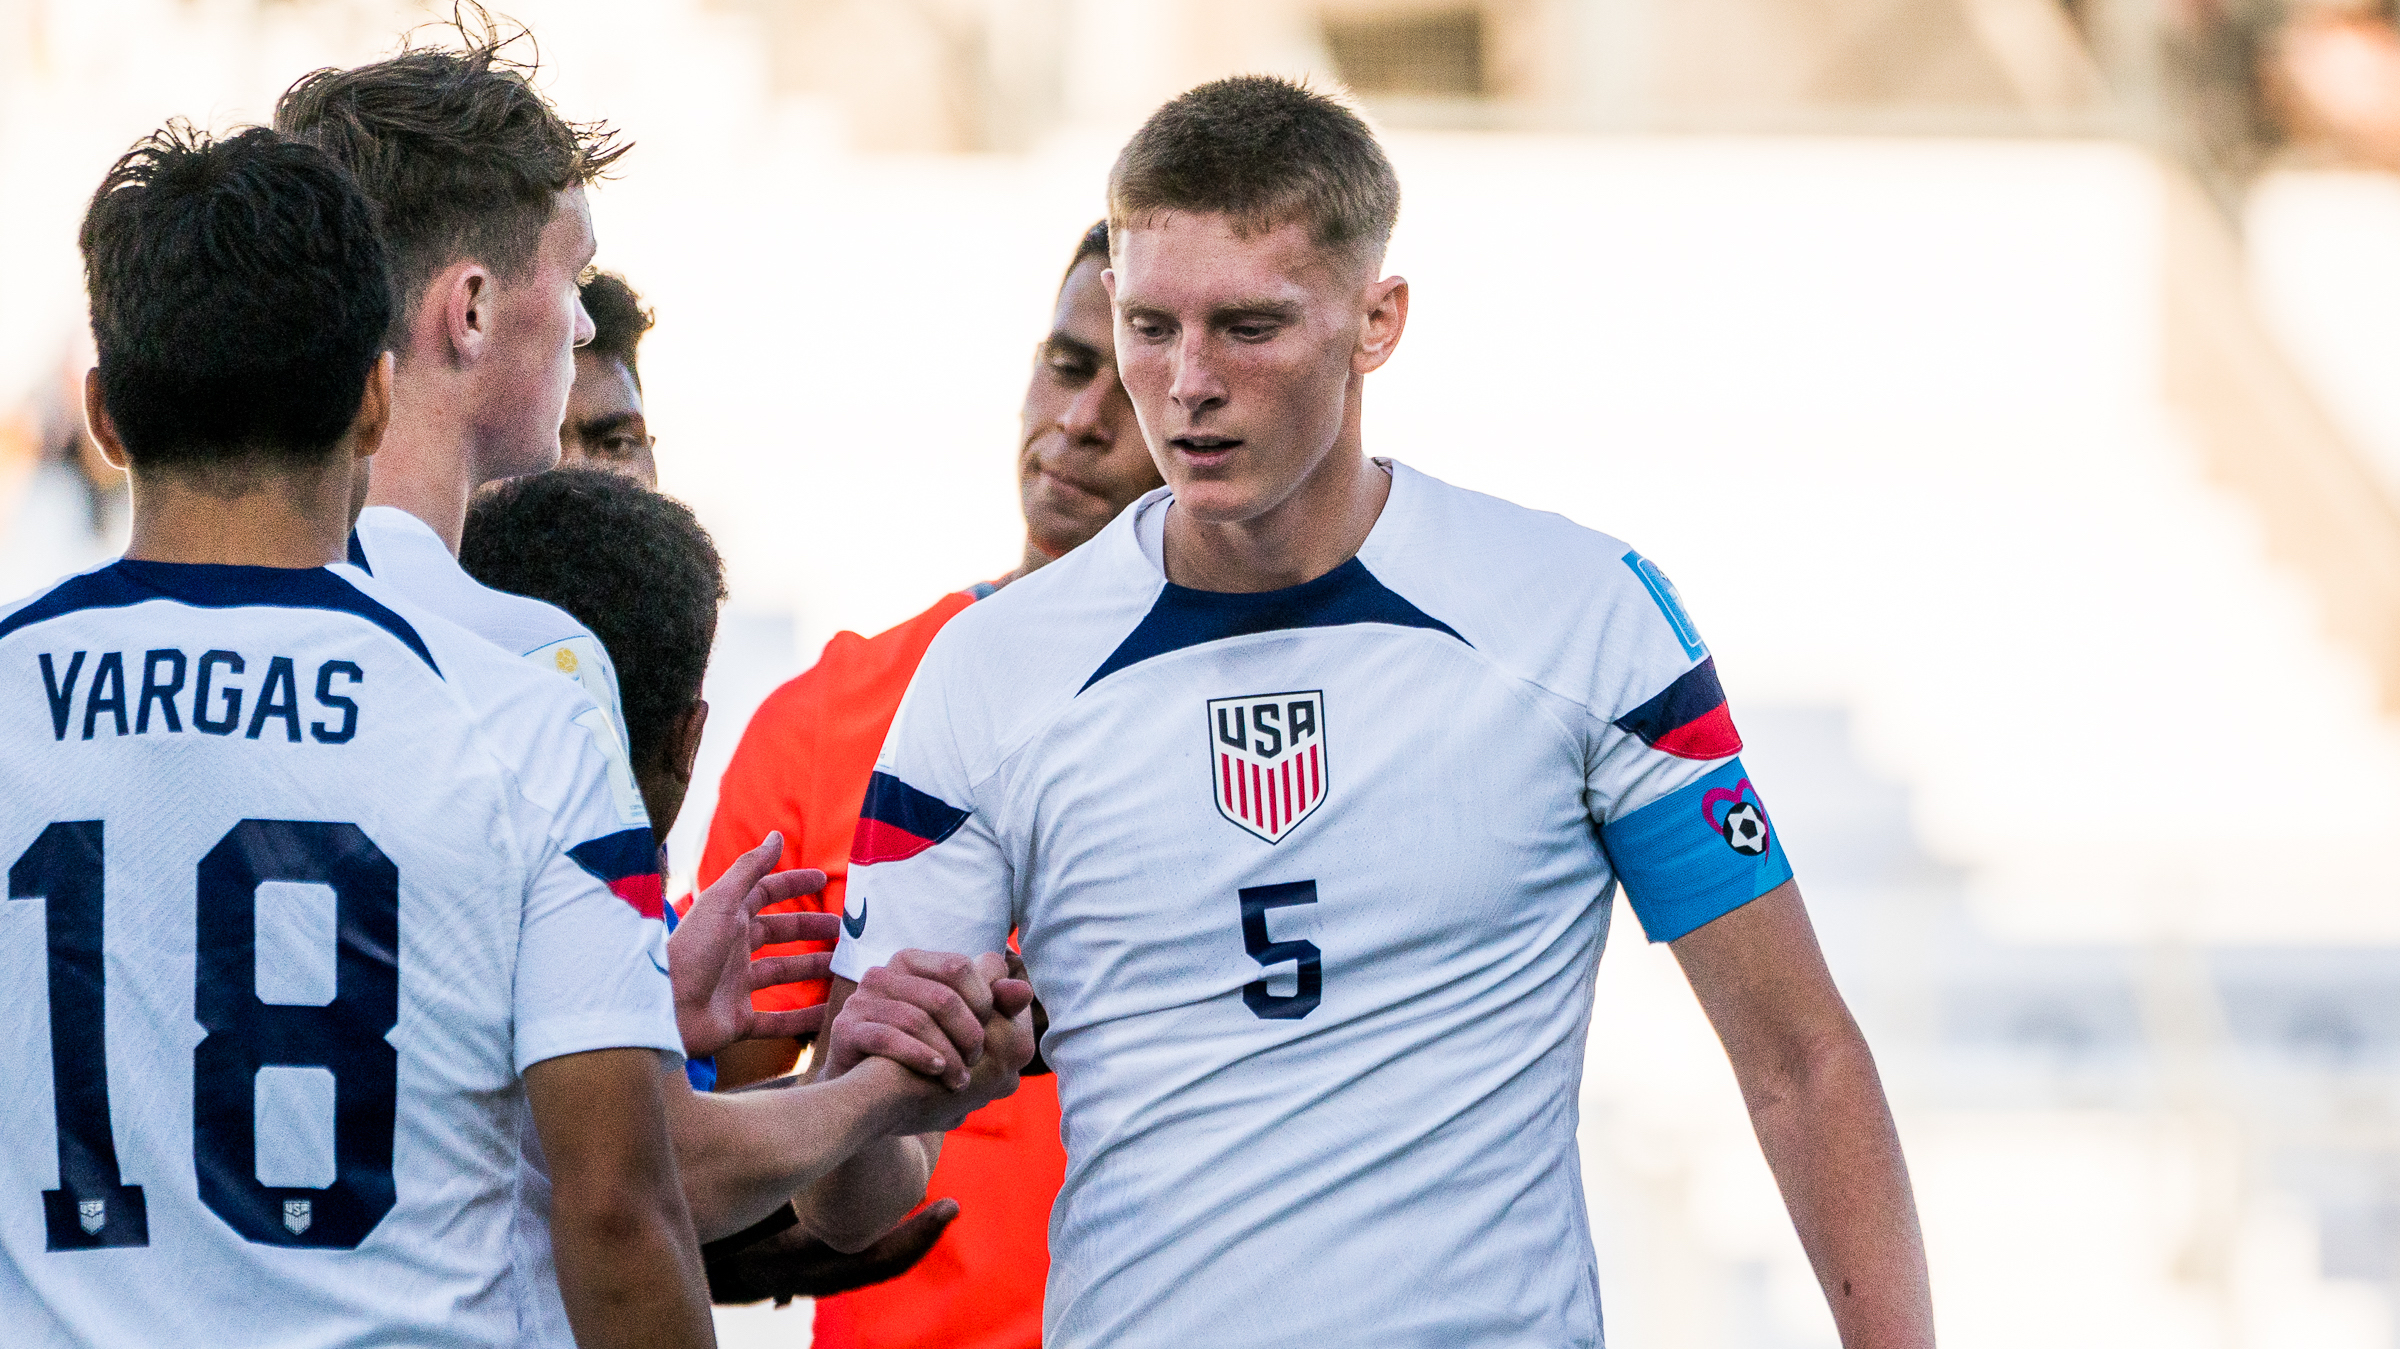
(802, 767)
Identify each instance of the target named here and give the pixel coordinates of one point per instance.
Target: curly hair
(239, 295)
(461, 155)
(630, 564)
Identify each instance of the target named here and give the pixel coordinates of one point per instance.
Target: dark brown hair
(1263, 150)
(460, 154)
(1093, 244)
(618, 321)
(238, 296)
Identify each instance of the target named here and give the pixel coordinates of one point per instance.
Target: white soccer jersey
(1313, 884)
(300, 880)
(405, 554)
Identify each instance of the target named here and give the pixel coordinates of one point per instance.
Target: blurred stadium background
(2009, 384)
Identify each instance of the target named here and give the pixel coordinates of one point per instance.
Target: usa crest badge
(1267, 759)
(91, 1214)
(297, 1215)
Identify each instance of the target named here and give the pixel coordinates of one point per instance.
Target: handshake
(961, 1027)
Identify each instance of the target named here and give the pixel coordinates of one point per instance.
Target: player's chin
(1061, 521)
(1213, 499)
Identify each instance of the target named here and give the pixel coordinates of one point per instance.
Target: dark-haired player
(479, 185)
(1306, 785)
(303, 922)
(802, 769)
(605, 425)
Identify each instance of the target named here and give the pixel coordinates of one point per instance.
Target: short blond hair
(1265, 151)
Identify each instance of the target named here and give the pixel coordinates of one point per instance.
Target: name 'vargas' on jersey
(1313, 885)
(300, 880)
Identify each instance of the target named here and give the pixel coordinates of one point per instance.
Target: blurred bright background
(2010, 385)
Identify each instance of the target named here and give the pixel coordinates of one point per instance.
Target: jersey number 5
(93, 1207)
(1256, 900)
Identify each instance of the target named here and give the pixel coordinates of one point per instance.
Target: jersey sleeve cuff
(560, 1036)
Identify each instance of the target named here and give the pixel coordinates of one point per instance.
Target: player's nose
(1195, 386)
(1085, 418)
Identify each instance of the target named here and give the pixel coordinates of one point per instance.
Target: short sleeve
(928, 868)
(591, 963)
(1683, 825)
(591, 949)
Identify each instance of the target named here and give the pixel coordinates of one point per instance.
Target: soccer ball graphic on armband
(1745, 830)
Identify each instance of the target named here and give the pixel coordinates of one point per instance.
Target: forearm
(628, 1266)
(743, 1155)
(628, 1270)
(858, 1200)
(1828, 1136)
(748, 1061)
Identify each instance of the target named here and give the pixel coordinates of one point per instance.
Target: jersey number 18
(93, 1207)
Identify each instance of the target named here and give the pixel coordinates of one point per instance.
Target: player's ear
(374, 409)
(1386, 303)
(102, 426)
(454, 314)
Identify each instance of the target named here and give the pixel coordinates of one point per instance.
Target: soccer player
(1306, 785)
(802, 769)
(363, 850)
(605, 426)
(479, 188)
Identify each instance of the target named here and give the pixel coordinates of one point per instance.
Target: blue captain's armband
(1696, 854)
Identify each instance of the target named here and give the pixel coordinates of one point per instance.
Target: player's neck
(257, 518)
(427, 464)
(1320, 526)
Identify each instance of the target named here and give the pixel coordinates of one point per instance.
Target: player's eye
(1251, 332)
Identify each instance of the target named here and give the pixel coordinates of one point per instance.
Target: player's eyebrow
(1059, 344)
(1281, 311)
(606, 422)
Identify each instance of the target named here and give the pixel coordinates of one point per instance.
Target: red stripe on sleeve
(647, 894)
(1708, 736)
(876, 841)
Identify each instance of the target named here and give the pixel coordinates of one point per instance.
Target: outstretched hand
(708, 957)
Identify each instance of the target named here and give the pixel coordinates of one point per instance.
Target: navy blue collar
(1184, 617)
(214, 586)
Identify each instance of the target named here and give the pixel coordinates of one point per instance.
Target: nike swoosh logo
(655, 965)
(856, 927)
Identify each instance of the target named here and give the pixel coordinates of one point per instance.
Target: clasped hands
(961, 1026)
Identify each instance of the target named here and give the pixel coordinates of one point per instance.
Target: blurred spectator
(2334, 78)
